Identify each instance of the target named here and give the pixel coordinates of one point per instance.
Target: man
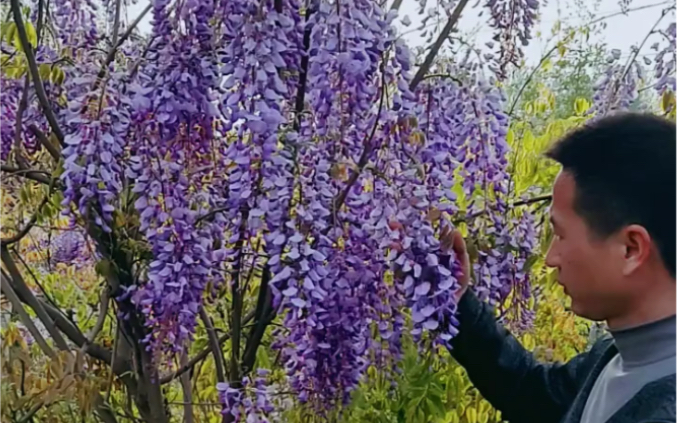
(613, 215)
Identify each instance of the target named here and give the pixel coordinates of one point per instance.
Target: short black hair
(624, 170)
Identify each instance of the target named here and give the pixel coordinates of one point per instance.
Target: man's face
(589, 268)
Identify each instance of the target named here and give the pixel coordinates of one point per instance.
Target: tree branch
(35, 74)
(303, 74)
(32, 174)
(40, 19)
(264, 316)
(22, 289)
(68, 329)
(396, 5)
(42, 138)
(187, 392)
(103, 410)
(116, 22)
(101, 318)
(214, 345)
(427, 63)
(632, 58)
(28, 417)
(25, 318)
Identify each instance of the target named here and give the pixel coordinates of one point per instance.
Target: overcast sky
(622, 31)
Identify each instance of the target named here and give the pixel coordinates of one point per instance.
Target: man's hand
(453, 240)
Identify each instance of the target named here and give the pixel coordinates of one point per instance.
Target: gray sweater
(645, 354)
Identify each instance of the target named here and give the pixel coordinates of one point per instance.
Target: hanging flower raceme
(664, 68)
(173, 121)
(94, 154)
(76, 20)
(69, 247)
(13, 88)
(324, 283)
(11, 94)
(513, 20)
(252, 402)
(617, 89)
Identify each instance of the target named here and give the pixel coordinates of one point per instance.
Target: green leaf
(262, 359)
(32, 35)
(9, 32)
(510, 137)
(581, 105)
(45, 71)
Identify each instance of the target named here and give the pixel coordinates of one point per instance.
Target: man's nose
(550, 257)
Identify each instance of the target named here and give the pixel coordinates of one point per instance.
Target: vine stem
(632, 58)
(33, 68)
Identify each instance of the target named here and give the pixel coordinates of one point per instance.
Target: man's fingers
(447, 240)
(458, 244)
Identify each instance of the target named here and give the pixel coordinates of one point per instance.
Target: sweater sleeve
(508, 375)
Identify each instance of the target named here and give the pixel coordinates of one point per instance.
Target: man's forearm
(505, 373)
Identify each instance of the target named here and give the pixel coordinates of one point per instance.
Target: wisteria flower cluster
(664, 67)
(618, 87)
(280, 146)
(250, 402)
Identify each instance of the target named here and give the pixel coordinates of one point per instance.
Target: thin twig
(111, 53)
(634, 56)
(22, 233)
(538, 199)
(200, 356)
(443, 76)
(647, 6)
(529, 78)
(101, 318)
(116, 341)
(18, 124)
(427, 63)
(37, 282)
(211, 214)
(364, 157)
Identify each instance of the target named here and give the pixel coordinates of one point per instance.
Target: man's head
(613, 215)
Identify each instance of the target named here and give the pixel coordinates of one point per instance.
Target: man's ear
(637, 246)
